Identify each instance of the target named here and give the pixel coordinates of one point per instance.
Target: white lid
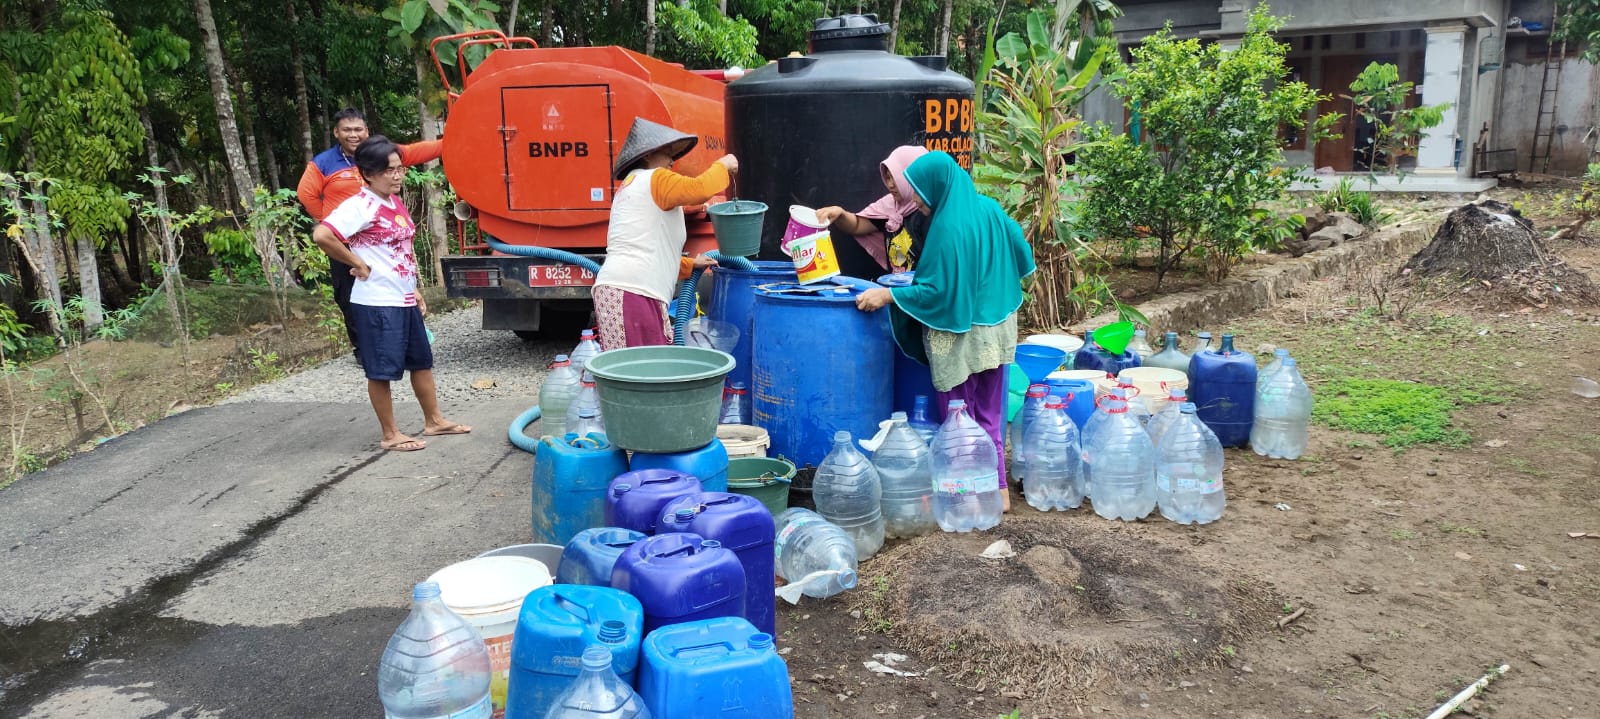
(489, 584)
(1088, 374)
(806, 216)
(1069, 343)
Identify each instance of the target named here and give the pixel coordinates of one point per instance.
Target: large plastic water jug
(714, 669)
(570, 476)
(635, 498)
(488, 593)
(1189, 471)
(735, 405)
(966, 474)
(743, 524)
(1122, 465)
(1222, 384)
(1140, 345)
(557, 623)
(709, 463)
(598, 693)
(905, 471)
(1095, 357)
(1077, 394)
(813, 550)
(592, 553)
(1170, 356)
(1032, 405)
(588, 347)
(556, 392)
(1168, 414)
(586, 401)
(1283, 414)
(1276, 363)
(848, 492)
(1054, 459)
(435, 664)
(681, 577)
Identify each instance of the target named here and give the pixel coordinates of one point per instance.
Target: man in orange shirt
(331, 178)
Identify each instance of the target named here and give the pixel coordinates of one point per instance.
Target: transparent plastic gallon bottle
(588, 398)
(436, 664)
(1189, 471)
(735, 405)
(1282, 425)
(1276, 363)
(588, 347)
(966, 475)
(905, 469)
(1140, 345)
(556, 393)
(1055, 462)
(921, 421)
(1202, 344)
(1170, 356)
(1168, 414)
(807, 545)
(1122, 478)
(588, 423)
(848, 492)
(598, 693)
(1032, 405)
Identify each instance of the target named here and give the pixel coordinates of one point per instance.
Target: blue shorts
(392, 341)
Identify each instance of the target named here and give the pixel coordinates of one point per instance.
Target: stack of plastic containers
(743, 525)
(570, 477)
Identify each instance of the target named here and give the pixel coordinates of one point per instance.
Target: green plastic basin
(660, 399)
(764, 478)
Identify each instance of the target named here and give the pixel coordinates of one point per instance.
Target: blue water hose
(517, 431)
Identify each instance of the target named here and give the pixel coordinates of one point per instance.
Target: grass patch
(1404, 414)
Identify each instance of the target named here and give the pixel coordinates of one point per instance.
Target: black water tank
(811, 130)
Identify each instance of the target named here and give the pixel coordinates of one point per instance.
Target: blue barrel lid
(822, 293)
(779, 269)
(897, 279)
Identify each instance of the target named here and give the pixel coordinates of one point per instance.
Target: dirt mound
(1491, 244)
(1078, 604)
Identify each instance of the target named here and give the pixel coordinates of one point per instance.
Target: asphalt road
(244, 560)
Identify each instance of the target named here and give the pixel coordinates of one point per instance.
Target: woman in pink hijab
(891, 229)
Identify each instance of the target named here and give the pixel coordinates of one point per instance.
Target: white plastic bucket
(1093, 375)
(1154, 384)
(488, 593)
(743, 440)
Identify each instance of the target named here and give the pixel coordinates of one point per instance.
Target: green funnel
(1114, 338)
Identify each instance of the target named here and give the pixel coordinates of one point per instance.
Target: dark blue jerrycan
(570, 476)
(592, 554)
(714, 669)
(1222, 386)
(556, 624)
(636, 498)
(681, 577)
(742, 524)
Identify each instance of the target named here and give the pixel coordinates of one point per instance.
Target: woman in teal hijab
(959, 315)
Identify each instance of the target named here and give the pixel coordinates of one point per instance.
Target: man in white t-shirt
(372, 233)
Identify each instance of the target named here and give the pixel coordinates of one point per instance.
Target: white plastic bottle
(1055, 463)
(435, 666)
(966, 474)
(1122, 481)
(1189, 471)
(905, 469)
(806, 544)
(588, 347)
(1282, 423)
(556, 393)
(848, 493)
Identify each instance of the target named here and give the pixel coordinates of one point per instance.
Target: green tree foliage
(1028, 125)
(1213, 122)
(1379, 97)
(699, 35)
(1580, 24)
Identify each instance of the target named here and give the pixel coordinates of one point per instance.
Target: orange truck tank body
(532, 136)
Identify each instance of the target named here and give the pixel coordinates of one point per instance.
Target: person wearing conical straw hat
(644, 243)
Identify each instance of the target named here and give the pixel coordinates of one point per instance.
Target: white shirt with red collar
(380, 232)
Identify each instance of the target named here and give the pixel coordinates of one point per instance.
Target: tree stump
(1492, 244)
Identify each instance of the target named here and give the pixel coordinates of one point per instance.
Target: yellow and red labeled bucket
(814, 258)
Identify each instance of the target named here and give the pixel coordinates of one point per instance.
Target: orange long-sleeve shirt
(670, 189)
(331, 177)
